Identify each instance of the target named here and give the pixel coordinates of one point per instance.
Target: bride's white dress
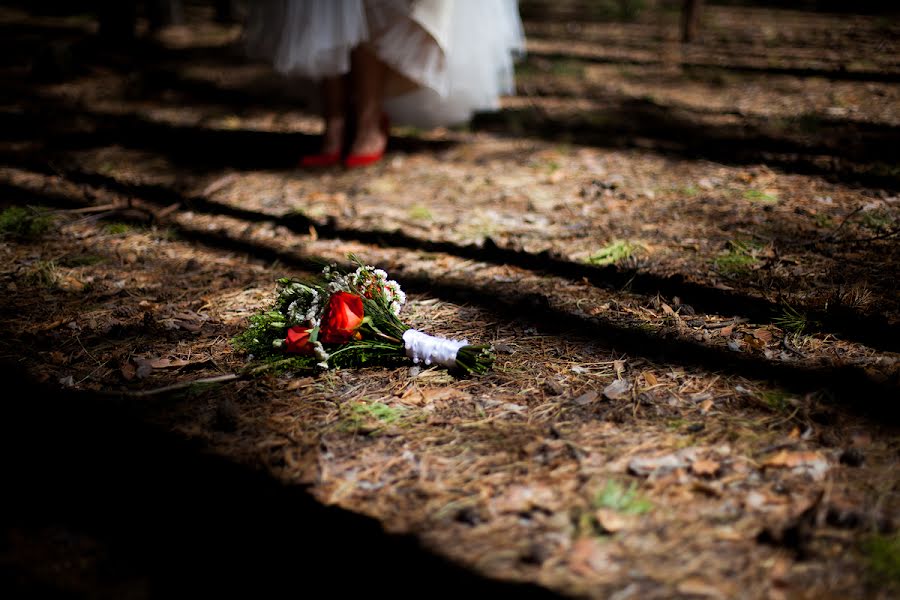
(448, 58)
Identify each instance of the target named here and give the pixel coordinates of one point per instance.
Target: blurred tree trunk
(162, 13)
(117, 19)
(228, 11)
(690, 19)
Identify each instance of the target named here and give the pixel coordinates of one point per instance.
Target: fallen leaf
(430, 395)
(650, 378)
(612, 521)
(618, 390)
(165, 363)
(790, 459)
(524, 498)
(71, 284)
(143, 368)
(811, 463)
(588, 556)
(755, 500)
(128, 371)
(586, 398)
(656, 465)
(706, 468)
(695, 586)
(762, 335)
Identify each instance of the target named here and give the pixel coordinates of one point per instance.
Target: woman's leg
(334, 108)
(367, 75)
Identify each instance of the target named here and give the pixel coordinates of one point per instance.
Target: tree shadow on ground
(843, 152)
(847, 387)
(872, 330)
(165, 519)
(840, 149)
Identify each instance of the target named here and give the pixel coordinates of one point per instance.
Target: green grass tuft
(363, 414)
(117, 228)
(690, 191)
(882, 554)
(612, 253)
(791, 320)
(876, 220)
(777, 400)
(824, 221)
(24, 222)
(44, 273)
(617, 497)
(760, 196)
(419, 212)
(738, 258)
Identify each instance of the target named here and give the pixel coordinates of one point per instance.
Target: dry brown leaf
(696, 586)
(71, 284)
(618, 390)
(647, 465)
(523, 498)
(706, 468)
(650, 378)
(586, 398)
(763, 335)
(429, 395)
(726, 331)
(790, 460)
(612, 521)
(165, 363)
(129, 371)
(812, 463)
(588, 556)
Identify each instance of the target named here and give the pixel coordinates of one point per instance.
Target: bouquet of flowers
(346, 319)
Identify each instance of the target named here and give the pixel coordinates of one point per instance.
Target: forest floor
(685, 258)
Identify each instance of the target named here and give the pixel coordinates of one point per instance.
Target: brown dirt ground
(751, 332)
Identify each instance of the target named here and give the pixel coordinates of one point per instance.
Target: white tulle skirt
(456, 56)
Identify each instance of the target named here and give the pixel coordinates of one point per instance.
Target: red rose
(297, 341)
(342, 318)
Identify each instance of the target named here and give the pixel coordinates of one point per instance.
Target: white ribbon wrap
(421, 347)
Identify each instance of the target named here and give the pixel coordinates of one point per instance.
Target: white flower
(320, 351)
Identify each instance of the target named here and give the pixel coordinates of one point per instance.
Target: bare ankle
(333, 136)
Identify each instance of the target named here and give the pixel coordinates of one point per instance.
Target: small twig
(87, 209)
(789, 346)
(837, 230)
(874, 238)
(830, 238)
(186, 384)
(724, 324)
(181, 385)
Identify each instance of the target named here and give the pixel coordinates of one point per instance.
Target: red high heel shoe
(319, 161)
(353, 161)
(362, 160)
